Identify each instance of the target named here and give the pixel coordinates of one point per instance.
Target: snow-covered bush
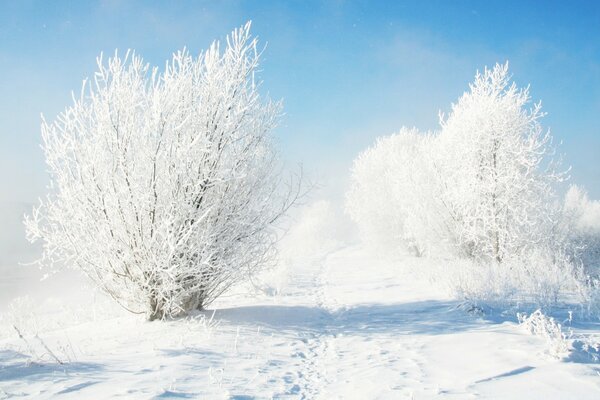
(538, 278)
(585, 213)
(392, 196)
(165, 185)
(581, 228)
(546, 327)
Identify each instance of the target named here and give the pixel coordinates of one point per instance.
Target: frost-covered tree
(494, 160)
(392, 196)
(580, 229)
(583, 212)
(165, 185)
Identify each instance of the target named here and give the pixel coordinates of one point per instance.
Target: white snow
(345, 326)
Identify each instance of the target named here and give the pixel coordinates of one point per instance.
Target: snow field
(347, 326)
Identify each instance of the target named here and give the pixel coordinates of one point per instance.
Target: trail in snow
(346, 327)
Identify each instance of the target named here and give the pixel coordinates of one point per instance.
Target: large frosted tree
(494, 161)
(165, 185)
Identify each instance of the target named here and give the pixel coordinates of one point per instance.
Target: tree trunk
(156, 310)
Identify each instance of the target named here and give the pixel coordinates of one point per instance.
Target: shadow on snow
(18, 366)
(424, 317)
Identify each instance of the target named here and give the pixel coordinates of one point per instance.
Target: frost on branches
(581, 229)
(165, 186)
(493, 160)
(391, 194)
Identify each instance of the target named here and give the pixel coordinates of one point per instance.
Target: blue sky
(348, 71)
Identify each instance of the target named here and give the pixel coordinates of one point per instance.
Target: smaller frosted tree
(494, 160)
(165, 186)
(580, 229)
(391, 196)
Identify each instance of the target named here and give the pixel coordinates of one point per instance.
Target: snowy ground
(344, 327)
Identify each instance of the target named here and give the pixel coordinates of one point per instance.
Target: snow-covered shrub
(392, 196)
(479, 284)
(585, 213)
(578, 237)
(20, 312)
(165, 185)
(538, 278)
(546, 327)
(580, 229)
